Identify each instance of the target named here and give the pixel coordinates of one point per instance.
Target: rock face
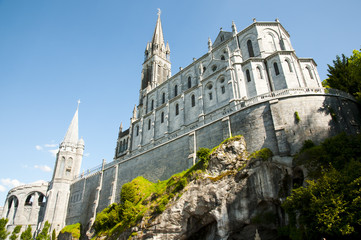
(233, 200)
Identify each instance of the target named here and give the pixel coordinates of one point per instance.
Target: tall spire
(71, 135)
(158, 39)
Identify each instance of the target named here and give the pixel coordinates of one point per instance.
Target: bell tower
(67, 167)
(156, 66)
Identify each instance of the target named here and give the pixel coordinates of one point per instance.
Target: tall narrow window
(176, 109)
(162, 117)
(250, 48)
(210, 96)
(309, 72)
(175, 90)
(193, 100)
(289, 65)
(137, 130)
(259, 72)
(248, 75)
(223, 89)
(189, 82)
(163, 98)
(149, 124)
(277, 71)
(152, 105)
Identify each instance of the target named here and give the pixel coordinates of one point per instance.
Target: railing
(293, 92)
(89, 171)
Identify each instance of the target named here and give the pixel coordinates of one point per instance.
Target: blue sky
(53, 53)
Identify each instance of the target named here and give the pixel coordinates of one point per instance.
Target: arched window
(163, 98)
(175, 90)
(277, 71)
(193, 100)
(289, 65)
(149, 124)
(223, 58)
(189, 82)
(162, 117)
(309, 72)
(137, 130)
(250, 48)
(152, 105)
(248, 75)
(210, 96)
(29, 200)
(223, 89)
(259, 72)
(176, 109)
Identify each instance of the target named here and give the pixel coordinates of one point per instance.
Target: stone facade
(249, 82)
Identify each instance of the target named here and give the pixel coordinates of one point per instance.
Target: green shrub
(264, 154)
(74, 230)
(297, 117)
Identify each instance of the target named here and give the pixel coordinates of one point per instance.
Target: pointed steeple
(71, 135)
(158, 40)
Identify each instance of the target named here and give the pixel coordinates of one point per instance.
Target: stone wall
(271, 123)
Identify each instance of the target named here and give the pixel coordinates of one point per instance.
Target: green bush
(264, 154)
(297, 117)
(74, 230)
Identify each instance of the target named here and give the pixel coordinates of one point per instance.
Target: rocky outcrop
(234, 199)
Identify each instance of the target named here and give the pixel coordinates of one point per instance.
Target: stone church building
(250, 82)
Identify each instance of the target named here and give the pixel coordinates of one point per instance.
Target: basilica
(249, 82)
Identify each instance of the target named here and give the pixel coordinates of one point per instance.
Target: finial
(78, 103)
(254, 20)
(234, 28)
(209, 44)
(277, 20)
(221, 29)
(159, 12)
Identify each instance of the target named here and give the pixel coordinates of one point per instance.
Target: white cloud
(2, 188)
(53, 151)
(50, 145)
(37, 147)
(11, 182)
(43, 168)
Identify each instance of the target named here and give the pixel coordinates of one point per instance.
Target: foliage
(26, 235)
(264, 154)
(337, 151)
(345, 74)
(3, 232)
(142, 198)
(297, 117)
(14, 234)
(329, 206)
(53, 235)
(74, 230)
(44, 234)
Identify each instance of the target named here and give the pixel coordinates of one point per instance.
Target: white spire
(71, 135)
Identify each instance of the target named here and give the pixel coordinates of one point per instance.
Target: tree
(330, 205)
(3, 232)
(44, 234)
(53, 235)
(27, 235)
(345, 74)
(15, 232)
